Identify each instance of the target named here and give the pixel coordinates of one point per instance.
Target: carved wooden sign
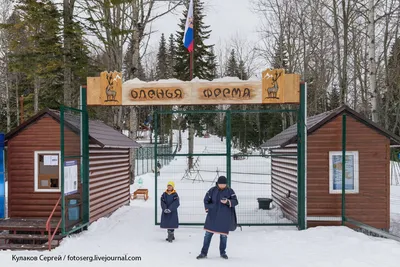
(273, 82)
(276, 87)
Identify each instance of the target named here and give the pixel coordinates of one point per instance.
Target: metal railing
(145, 160)
(48, 224)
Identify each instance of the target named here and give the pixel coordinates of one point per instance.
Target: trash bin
(264, 203)
(73, 212)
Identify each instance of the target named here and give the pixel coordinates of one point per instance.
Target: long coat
(221, 218)
(169, 201)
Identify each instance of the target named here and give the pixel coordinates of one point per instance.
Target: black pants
(223, 239)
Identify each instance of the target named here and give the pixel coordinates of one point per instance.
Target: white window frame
(36, 175)
(355, 169)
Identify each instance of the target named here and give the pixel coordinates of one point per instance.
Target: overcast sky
(226, 18)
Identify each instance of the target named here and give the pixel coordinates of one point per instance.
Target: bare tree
(5, 88)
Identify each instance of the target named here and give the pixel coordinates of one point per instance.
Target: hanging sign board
(275, 87)
(70, 177)
(2, 179)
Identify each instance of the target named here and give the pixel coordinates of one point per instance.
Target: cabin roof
(289, 136)
(99, 132)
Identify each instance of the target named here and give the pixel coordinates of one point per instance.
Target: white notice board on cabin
(70, 177)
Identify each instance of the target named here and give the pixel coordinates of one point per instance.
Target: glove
(167, 211)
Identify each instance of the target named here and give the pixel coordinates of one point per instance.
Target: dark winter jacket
(221, 218)
(169, 201)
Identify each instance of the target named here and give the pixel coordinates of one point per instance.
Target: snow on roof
(135, 82)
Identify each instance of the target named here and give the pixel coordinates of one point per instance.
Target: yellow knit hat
(171, 183)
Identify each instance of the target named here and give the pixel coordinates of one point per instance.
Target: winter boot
(201, 256)
(170, 236)
(224, 256)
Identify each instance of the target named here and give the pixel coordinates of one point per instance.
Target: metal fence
(145, 158)
(228, 144)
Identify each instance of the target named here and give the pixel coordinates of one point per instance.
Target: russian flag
(188, 38)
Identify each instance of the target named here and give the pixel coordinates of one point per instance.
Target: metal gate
(228, 142)
(74, 131)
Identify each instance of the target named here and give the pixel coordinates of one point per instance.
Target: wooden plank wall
(109, 180)
(284, 180)
(42, 135)
(371, 204)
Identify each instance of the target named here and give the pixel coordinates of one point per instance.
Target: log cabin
(367, 176)
(34, 171)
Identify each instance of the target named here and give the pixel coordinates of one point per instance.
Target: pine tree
(242, 73)
(162, 66)
(40, 58)
(141, 72)
(82, 65)
(334, 98)
(212, 64)
(232, 67)
(392, 95)
(202, 52)
(280, 60)
(171, 56)
(202, 69)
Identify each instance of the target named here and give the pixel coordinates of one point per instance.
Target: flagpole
(191, 55)
(191, 64)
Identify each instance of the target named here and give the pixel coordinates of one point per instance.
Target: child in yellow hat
(169, 207)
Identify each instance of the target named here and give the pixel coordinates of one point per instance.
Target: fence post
(343, 169)
(228, 146)
(155, 164)
(301, 159)
(137, 161)
(85, 155)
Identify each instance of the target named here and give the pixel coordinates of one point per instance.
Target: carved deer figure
(273, 91)
(109, 89)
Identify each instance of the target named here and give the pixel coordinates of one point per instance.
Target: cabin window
(351, 172)
(47, 171)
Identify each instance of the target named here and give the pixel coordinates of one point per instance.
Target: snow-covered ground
(131, 230)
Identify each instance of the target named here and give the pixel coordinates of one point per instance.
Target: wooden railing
(48, 224)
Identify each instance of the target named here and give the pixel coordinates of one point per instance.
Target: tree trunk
(133, 118)
(36, 94)
(371, 58)
(17, 99)
(180, 137)
(68, 7)
(191, 145)
(133, 136)
(8, 110)
(171, 132)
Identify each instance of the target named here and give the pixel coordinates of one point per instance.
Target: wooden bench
(144, 192)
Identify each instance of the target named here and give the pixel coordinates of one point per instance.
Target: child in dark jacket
(169, 207)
